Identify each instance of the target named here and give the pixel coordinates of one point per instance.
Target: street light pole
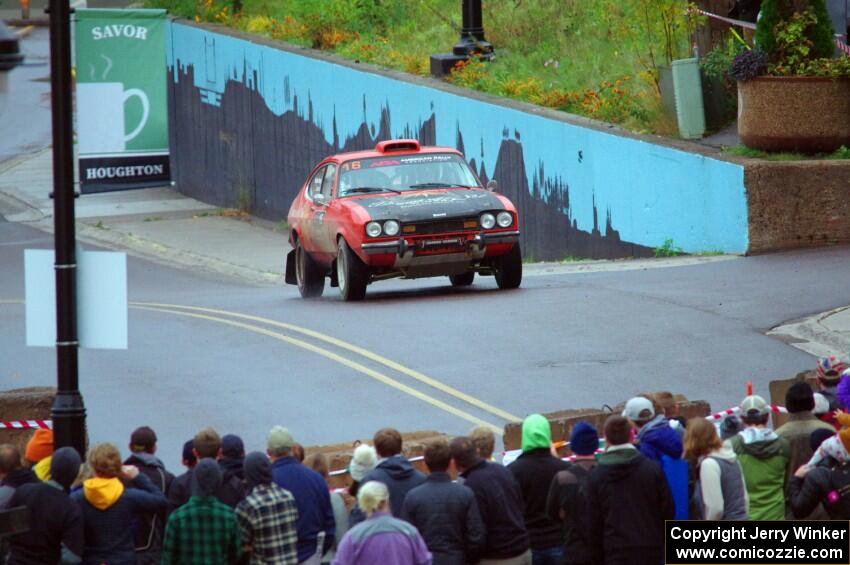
(471, 43)
(68, 412)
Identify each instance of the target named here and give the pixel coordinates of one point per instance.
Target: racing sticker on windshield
(435, 158)
(384, 163)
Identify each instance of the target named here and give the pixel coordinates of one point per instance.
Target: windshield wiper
(371, 189)
(440, 185)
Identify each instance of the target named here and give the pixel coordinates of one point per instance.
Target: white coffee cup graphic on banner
(100, 116)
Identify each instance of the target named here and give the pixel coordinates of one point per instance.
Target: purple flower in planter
(747, 65)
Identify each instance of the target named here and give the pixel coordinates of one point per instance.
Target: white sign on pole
(101, 298)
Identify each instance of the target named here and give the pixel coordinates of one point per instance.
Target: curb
(809, 335)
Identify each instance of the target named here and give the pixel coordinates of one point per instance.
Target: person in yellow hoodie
(110, 502)
(39, 453)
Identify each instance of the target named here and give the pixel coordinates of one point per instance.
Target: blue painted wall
(649, 192)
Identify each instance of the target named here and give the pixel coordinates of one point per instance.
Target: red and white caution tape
(26, 425)
(730, 21)
(732, 411)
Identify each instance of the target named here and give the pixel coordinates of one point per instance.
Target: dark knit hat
(188, 454)
(584, 440)
(232, 446)
(258, 469)
(65, 466)
(729, 427)
(819, 436)
(142, 439)
(800, 398)
(206, 478)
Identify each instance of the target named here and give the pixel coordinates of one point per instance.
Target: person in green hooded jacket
(763, 456)
(533, 471)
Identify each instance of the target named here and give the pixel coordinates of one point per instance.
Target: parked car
(400, 210)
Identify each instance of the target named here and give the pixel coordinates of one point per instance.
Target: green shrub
(815, 30)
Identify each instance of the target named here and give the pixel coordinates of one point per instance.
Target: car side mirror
(492, 185)
(320, 199)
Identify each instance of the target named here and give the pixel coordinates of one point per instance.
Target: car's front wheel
(509, 269)
(352, 274)
(463, 279)
(311, 280)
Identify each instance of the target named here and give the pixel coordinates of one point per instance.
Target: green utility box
(687, 87)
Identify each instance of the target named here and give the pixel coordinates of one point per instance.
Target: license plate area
(442, 245)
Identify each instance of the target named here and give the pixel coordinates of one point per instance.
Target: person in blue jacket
(658, 441)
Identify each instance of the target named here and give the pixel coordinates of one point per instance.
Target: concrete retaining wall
(24, 404)
(562, 422)
(249, 118)
(797, 204)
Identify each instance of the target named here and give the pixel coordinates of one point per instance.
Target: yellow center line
(354, 349)
(24, 31)
(380, 377)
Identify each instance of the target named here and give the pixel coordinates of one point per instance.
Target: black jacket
(447, 517)
(567, 504)
(55, 525)
(230, 493)
(400, 477)
(806, 494)
(627, 501)
(500, 504)
(12, 481)
(150, 528)
(533, 471)
(232, 467)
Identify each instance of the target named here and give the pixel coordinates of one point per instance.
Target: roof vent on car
(397, 145)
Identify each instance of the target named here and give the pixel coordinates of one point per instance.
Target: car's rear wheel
(310, 278)
(351, 272)
(509, 269)
(464, 279)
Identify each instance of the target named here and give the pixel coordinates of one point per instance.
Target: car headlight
(373, 229)
(504, 219)
(488, 221)
(391, 227)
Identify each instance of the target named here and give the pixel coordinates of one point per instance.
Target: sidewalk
(159, 224)
(827, 333)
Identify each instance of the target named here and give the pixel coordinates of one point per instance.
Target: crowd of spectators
(604, 504)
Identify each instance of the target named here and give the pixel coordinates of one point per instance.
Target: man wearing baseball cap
(655, 437)
(316, 525)
(763, 456)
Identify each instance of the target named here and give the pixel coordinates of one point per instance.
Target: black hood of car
(430, 205)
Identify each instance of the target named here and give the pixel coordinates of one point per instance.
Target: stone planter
(801, 114)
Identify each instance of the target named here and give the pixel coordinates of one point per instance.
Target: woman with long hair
(720, 491)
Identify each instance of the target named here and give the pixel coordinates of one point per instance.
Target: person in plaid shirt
(203, 531)
(267, 516)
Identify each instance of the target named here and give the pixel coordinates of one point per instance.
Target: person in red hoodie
(110, 502)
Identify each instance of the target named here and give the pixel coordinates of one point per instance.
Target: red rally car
(399, 211)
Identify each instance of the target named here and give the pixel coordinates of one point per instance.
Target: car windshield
(405, 172)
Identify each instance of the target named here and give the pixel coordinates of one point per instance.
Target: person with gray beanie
(55, 532)
(203, 530)
(267, 516)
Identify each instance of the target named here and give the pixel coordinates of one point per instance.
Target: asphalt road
(561, 341)
(25, 99)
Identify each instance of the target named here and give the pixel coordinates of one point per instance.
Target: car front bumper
(401, 247)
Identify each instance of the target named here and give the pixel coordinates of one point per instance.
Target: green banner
(121, 102)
